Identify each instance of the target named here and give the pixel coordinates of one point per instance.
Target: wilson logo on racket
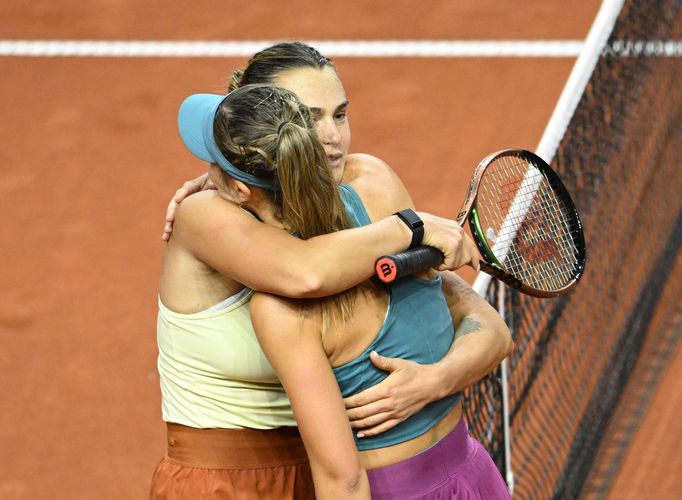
(533, 238)
(386, 269)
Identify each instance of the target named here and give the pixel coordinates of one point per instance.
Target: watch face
(416, 225)
(410, 218)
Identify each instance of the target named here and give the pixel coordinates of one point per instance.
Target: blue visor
(195, 123)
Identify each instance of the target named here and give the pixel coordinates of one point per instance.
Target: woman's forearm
(338, 261)
(482, 339)
(269, 259)
(328, 264)
(356, 253)
(477, 350)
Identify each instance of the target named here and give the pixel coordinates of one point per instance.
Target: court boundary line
(331, 48)
(339, 48)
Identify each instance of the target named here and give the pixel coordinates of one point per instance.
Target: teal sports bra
(418, 327)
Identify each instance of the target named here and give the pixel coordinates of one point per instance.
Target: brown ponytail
(311, 200)
(267, 132)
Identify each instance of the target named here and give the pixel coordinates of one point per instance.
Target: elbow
(347, 486)
(504, 343)
(507, 342)
(351, 482)
(298, 282)
(313, 281)
(510, 346)
(308, 285)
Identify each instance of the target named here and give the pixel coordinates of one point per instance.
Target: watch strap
(414, 222)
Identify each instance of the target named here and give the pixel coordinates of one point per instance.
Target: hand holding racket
(524, 224)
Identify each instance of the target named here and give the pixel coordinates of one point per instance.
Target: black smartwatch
(416, 225)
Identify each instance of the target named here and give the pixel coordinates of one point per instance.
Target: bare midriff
(381, 457)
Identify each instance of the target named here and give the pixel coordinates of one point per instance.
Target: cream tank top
(213, 373)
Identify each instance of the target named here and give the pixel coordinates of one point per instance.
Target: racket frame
(490, 264)
(391, 267)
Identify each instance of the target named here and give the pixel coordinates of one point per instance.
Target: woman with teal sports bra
(430, 455)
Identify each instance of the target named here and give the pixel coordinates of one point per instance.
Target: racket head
(526, 225)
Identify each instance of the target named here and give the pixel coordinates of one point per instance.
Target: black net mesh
(586, 364)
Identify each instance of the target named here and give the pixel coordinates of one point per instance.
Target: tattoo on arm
(466, 326)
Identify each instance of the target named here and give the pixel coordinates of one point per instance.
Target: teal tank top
(418, 327)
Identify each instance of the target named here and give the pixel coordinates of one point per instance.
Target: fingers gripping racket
(524, 224)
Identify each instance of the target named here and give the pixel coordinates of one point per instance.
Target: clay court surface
(91, 156)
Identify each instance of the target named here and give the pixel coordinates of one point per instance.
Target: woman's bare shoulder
(208, 208)
(381, 189)
(269, 310)
(362, 165)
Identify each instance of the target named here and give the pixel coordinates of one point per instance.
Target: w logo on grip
(386, 269)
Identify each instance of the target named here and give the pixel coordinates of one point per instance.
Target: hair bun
(236, 80)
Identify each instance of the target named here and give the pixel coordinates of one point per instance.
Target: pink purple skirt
(457, 467)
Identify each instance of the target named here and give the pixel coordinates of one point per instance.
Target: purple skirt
(457, 467)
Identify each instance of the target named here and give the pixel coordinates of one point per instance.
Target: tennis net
(586, 364)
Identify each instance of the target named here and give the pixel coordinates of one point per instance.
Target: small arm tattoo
(466, 326)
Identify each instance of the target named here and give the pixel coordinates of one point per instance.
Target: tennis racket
(524, 223)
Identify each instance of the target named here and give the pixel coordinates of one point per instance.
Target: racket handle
(391, 267)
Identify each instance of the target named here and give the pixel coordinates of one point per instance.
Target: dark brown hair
(265, 65)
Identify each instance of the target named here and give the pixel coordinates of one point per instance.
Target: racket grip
(391, 267)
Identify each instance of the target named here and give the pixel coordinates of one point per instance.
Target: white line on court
(341, 48)
(357, 48)
(403, 48)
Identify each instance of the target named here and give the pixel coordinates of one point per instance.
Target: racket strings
(527, 226)
(541, 252)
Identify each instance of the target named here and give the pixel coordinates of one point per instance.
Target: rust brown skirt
(233, 463)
